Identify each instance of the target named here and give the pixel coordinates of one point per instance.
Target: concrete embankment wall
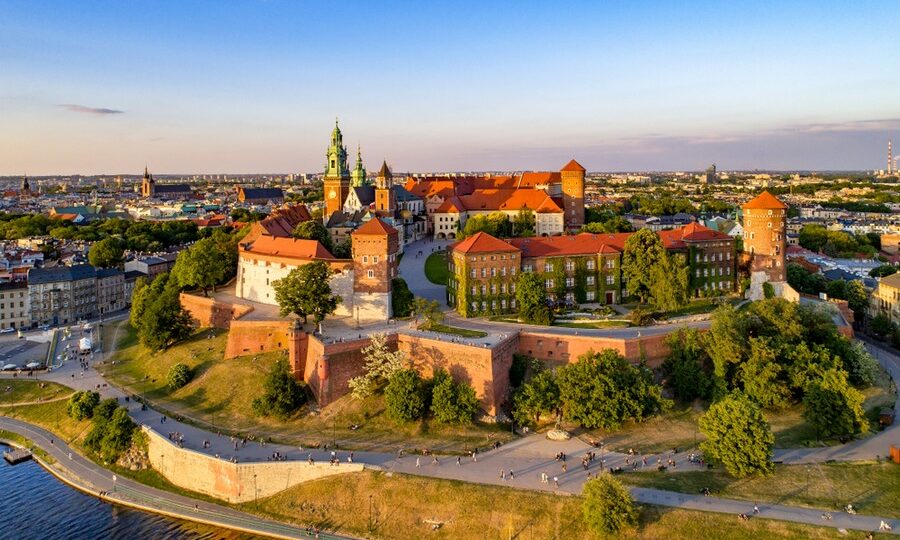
(233, 482)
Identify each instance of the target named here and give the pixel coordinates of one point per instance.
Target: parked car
(9, 330)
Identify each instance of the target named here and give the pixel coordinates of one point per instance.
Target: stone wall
(233, 482)
(209, 312)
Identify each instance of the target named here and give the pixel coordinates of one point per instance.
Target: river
(35, 505)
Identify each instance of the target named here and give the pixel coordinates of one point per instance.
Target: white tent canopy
(32, 365)
(10, 366)
(85, 344)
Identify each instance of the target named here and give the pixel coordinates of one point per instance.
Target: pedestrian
(434, 459)
(417, 462)
(458, 461)
(556, 481)
(512, 475)
(350, 458)
(502, 474)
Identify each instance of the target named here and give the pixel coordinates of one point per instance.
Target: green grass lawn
(221, 394)
(872, 488)
(395, 506)
(24, 391)
(436, 268)
(453, 330)
(51, 416)
(594, 324)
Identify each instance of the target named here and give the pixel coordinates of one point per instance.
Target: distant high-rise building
(711, 176)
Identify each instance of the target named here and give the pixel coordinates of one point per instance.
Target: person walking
(418, 464)
(512, 475)
(458, 461)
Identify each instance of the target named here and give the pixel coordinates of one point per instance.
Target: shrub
(401, 298)
(641, 317)
(282, 394)
(404, 396)
(179, 375)
(111, 432)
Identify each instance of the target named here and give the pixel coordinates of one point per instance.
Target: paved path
(86, 476)
(412, 269)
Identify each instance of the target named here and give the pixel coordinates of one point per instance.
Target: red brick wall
(567, 349)
(255, 337)
(209, 312)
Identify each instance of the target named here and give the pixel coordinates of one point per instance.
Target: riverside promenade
(88, 477)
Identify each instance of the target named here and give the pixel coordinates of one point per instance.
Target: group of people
(177, 438)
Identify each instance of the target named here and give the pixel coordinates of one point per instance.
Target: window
(503, 288)
(374, 258)
(493, 272)
(365, 258)
(590, 280)
(493, 289)
(474, 273)
(484, 272)
(483, 289)
(371, 273)
(474, 290)
(474, 306)
(590, 264)
(590, 296)
(503, 303)
(610, 280)
(570, 266)
(549, 283)
(503, 271)
(527, 268)
(547, 267)
(570, 282)
(610, 263)
(512, 288)
(698, 272)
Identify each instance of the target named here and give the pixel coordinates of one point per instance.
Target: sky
(255, 86)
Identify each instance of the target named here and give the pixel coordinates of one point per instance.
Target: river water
(35, 505)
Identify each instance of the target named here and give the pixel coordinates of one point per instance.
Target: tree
(305, 291)
(761, 376)
(538, 396)
(883, 271)
(833, 407)
(402, 299)
(643, 251)
(282, 394)
(404, 396)
(205, 264)
(451, 402)
(531, 296)
(111, 431)
(857, 299)
(768, 290)
(607, 506)
(603, 390)
(687, 365)
(861, 367)
(429, 311)
(668, 288)
(343, 249)
(107, 253)
(313, 229)
(163, 321)
(881, 325)
(737, 436)
(380, 364)
(523, 223)
(178, 376)
(81, 405)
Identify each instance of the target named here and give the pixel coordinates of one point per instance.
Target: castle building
(337, 173)
(150, 189)
(582, 268)
(269, 253)
(765, 238)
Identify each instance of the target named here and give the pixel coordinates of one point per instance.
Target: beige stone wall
(233, 482)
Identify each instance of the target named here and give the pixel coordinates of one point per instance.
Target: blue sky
(235, 86)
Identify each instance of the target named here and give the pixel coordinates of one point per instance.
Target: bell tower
(337, 173)
(385, 196)
(358, 176)
(148, 185)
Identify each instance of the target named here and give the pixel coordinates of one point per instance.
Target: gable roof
(288, 247)
(508, 199)
(764, 201)
(262, 193)
(281, 222)
(481, 242)
(365, 194)
(573, 165)
(375, 226)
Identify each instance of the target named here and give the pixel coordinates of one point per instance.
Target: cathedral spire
(358, 176)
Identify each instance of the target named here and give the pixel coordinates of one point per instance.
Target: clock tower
(337, 174)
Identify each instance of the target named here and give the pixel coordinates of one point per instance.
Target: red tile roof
(451, 206)
(375, 226)
(482, 242)
(288, 247)
(573, 166)
(508, 199)
(764, 201)
(281, 222)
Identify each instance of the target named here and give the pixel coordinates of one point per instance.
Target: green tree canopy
(668, 289)
(603, 390)
(404, 396)
(496, 224)
(81, 405)
(207, 263)
(157, 314)
(402, 299)
(523, 223)
(282, 394)
(452, 402)
(687, 366)
(178, 376)
(531, 296)
(314, 229)
(306, 291)
(540, 395)
(643, 251)
(607, 506)
(833, 407)
(737, 436)
(107, 253)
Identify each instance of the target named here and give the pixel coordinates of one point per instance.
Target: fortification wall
(254, 337)
(233, 482)
(566, 349)
(209, 312)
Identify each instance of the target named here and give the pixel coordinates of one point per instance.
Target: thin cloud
(89, 110)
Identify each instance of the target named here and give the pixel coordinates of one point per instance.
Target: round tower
(572, 179)
(765, 241)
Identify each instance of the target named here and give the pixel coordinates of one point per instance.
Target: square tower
(375, 248)
(572, 179)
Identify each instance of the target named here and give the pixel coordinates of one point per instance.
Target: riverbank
(78, 472)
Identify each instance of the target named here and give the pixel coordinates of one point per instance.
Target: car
(45, 327)
(9, 330)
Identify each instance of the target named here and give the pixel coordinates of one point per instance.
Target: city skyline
(250, 87)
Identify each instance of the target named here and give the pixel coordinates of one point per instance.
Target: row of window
(12, 295)
(493, 305)
(493, 272)
(570, 281)
(502, 257)
(706, 272)
(712, 258)
(493, 289)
